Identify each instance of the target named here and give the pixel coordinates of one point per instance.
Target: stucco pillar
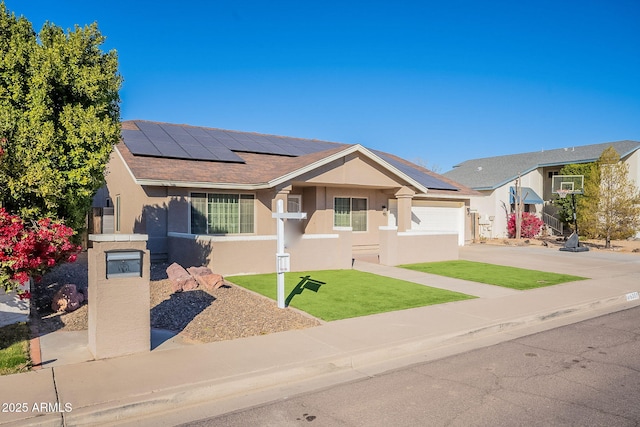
(281, 194)
(119, 315)
(404, 197)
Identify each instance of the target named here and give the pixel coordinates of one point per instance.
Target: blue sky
(434, 82)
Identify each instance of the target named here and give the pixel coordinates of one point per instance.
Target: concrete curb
(400, 353)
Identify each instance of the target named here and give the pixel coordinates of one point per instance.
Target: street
(585, 374)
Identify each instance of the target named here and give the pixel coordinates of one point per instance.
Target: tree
(617, 211)
(59, 118)
(585, 214)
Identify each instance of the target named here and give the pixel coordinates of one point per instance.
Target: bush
(32, 251)
(529, 228)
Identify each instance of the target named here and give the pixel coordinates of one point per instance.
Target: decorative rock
(199, 271)
(206, 278)
(180, 278)
(210, 281)
(67, 299)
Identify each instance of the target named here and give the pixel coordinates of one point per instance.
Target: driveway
(592, 264)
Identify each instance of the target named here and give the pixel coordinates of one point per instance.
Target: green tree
(617, 211)
(59, 117)
(584, 213)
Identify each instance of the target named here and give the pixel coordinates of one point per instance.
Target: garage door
(444, 218)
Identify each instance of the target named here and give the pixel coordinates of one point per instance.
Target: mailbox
(124, 264)
(283, 263)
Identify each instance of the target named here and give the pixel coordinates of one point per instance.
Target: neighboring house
(206, 197)
(494, 178)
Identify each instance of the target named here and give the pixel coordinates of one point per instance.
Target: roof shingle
(492, 172)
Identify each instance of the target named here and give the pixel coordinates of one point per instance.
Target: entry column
(404, 197)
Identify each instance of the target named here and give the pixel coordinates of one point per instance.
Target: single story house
(206, 196)
(494, 178)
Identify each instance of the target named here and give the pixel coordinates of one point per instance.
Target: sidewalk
(170, 384)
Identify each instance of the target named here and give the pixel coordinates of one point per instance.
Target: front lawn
(340, 294)
(14, 349)
(499, 275)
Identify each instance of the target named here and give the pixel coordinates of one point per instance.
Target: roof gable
(181, 155)
(492, 172)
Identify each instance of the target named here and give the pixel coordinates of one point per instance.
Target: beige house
(494, 178)
(206, 197)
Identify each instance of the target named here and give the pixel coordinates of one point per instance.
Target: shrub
(530, 227)
(32, 251)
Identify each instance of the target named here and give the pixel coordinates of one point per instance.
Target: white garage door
(445, 219)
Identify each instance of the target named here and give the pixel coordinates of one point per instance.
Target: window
(294, 203)
(117, 209)
(213, 213)
(350, 212)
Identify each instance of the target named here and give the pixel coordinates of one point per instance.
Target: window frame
(208, 214)
(117, 213)
(351, 199)
(291, 197)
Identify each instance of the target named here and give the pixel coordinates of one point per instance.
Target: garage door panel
(426, 218)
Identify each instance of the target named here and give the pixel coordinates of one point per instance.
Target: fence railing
(553, 223)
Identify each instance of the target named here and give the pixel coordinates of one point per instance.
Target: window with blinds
(217, 213)
(350, 212)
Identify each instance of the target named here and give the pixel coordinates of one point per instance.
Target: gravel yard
(226, 313)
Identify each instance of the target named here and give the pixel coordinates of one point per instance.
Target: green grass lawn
(14, 349)
(509, 277)
(340, 294)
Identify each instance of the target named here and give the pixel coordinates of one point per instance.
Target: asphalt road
(585, 374)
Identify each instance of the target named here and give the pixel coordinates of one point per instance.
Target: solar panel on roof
(201, 153)
(227, 156)
(152, 129)
(421, 177)
(174, 141)
(188, 142)
(142, 149)
(172, 150)
(180, 135)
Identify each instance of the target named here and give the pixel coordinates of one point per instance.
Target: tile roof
(492, 172)
(254, 163)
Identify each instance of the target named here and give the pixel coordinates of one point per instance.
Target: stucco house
(206, 196)
(494, 178)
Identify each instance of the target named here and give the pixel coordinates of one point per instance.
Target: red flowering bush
(32, 251)
(529, 228)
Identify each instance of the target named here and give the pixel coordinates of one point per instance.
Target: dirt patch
(203, 316)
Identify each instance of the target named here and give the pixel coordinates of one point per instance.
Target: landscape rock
(206, 278)
(180, 279)
(210, 282)
(67, 299)
(199, 271)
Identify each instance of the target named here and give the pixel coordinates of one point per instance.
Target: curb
(401, 353)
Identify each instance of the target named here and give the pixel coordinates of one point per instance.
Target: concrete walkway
(187, 382)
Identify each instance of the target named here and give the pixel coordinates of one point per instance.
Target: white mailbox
(283, 263)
